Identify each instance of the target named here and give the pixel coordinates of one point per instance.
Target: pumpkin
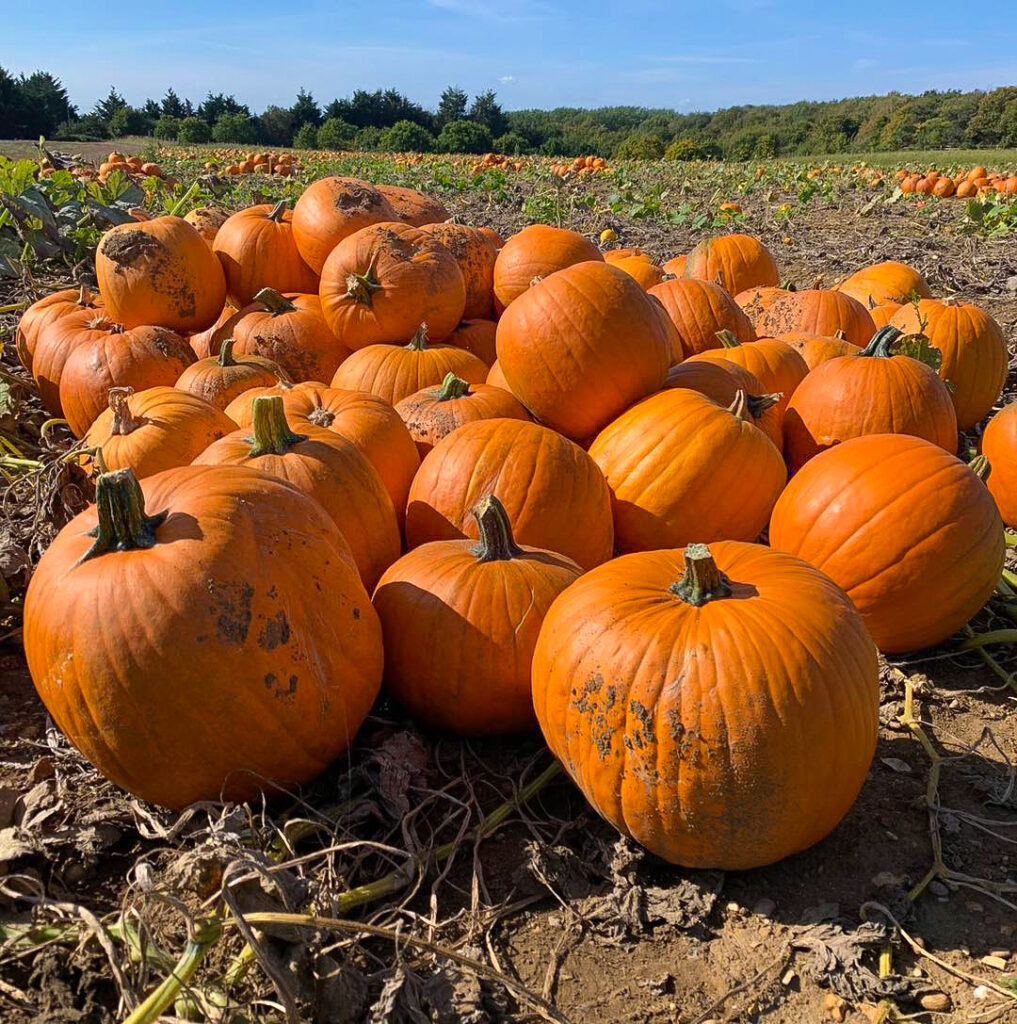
(478, 337)
(160, 272)
(197, 672)
(412, 207)
(735, 262)
(973, 348)
(331, 209)
(816, 348)
(883, 313)
(904, 527)
(256, 250)
(537, 252)
(219, 379)
(395, 372)
(637, 265)
(581, 346)
(155, 429)
(43, 312)
(680, 466)
(999, 446)
(289, 330)
(779, 367)
(207, 220)
(433, 413)
(325, 466)
(206, 343)
(475, 252)
(721, 381)
(478, 607)
(675, 266)
(718, 704)
(380, 284)
(754, 302)
(871, 392)
(885, 282)
(548, 485)
(497, 379)
(816, 311)
(112, 357)
(698, 310)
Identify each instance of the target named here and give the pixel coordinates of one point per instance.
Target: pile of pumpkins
(132, 166)
(963, 185)
(357, 445)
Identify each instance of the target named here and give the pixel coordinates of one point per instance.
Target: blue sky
(546, 53)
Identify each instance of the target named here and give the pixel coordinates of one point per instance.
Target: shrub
(192, 130)
(306, 137)
(167, 127)
(128, 121)
(235, 128)
(335, 133)
(683, 149)
(464, 137)
(369, 138)
(640, 146)
(85, 129)
(511, 144)
(407, 137)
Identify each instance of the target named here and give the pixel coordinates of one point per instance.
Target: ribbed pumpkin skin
(638, 266)
(728, 735)
(778, 366)
(537, 251)
(478, 622)
(885, 282)
(478, 337)
(547, 484)
(44, 312)
(816, 349)
(331, 209)
(220, 384)
(140, 358)
(169, 428)
(974, 353)
(203, 342)
(581, 346)
(852, 396)
(817, 311)
(429, 418)
(884, 313)
(735, 262)
(340, 478)
(159, 272)
(475, 252)
(412, 207)
(904, 527)
(999, 446)
(416, 281)
(54, 345)
(496, 378)
(195, 672)
(756, 301)
(207, 220)
(698, 309)
(721, 382)
(683, 469)
(256, 250)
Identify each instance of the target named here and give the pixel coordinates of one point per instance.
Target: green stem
(727, 339)
(14, 307)
(275, 303)
(881, 343)
(1011, 540)
(123, 524)
(419, 340)
(272, 434)
(496, 541)
(997, 636)
(226, 353)
(277, 214)
(758, 404)
(361, 287)
(740, 407)
(979, 465)
(702, 581)
(184, 200)
(452, 387)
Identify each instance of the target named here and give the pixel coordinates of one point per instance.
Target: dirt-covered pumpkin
(698, 310)
(219, 379)
(412, 207)
(718, 704)
(904, 527)
(889, 281)
(817, 311)
(475, 252)
(555, 494)
(999, 446)
(534, 253)
(43, 312)
(205, 663)
(476, 607)
(735, 262)
(754, 302)
(207, 220)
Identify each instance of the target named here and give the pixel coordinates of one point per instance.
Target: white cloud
(507, 79)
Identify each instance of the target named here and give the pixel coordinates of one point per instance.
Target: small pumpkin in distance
(638, 265)
(888, 281)
(481, 604)
(219, 379)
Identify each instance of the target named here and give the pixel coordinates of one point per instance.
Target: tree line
(38, 104)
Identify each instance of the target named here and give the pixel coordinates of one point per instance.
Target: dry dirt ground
(552, 917)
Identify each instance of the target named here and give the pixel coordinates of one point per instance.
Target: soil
(552, 899)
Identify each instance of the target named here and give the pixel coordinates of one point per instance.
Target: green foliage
(511, 143)
(167, 127)
(306, 136)
(215, 107)
(128, 121)
(369, 139)
(407, 137)
(276, 127)
(917, 347)
(683, 149)
(85, 129)
(45, 104)
(464, 137)
(193, 130)
(486, 110)
(335, 133)
(452, 105)
(992, 214)
(106, 108)
(306, 111)
(640, 146)
(236, 128)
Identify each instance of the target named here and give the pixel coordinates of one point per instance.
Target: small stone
(936, 1002)
(732, 907)
(1002, 953)
(981, 992)
(764, 907)
(954, 704)
(789, 976)
(895, 764)
(836, 1007)
(973, 907)
(887, 880)
(938, 889)
(997, 962)
(917, 972)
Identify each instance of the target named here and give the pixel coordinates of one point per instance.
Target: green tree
(152, 110)
(486, 110)
(984, 128)
(452, 105)
(306, 136)
(511, 144)
(683, 149)
(407, 137)
(127, 121)
(12, 114)
(335, 133)
(192, 130)
(45, 103)
(213, 107)
(238, 128)
(305, 110)
(899, 131)
(464, 137)
(276, 127)
(106, 108)
(172, 107)
(167, 127)
(640, 146)
(935, 133)
(369, 138)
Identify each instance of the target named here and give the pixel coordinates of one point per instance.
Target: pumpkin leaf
(917, 346)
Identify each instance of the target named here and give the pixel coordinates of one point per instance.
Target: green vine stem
(226, 353)
(272, 434)
(419, 340)
(452, 387)
(740, 407)
(14, 307)
(277, 213)
(361, 287)
(184, 200)
(496, 541)
(702, 581)
(758, 404)
(727, 339)
(881, 343)
(1011, 540)
(123, 523)
(274, 302)
(980, 466)
(123, 420)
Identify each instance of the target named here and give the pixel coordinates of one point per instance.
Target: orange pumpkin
(547, 484)
(478, 337)
(885, 282)
(754, 302)
(904, 527)
(637, 265)
(680, 466)
(675, 266)
(581, 346)
(735, 262)
(999, 446)
(816, 311)
(475, 252)
(719, 705)
(219, 379)
(412, 207)
(380, 284)
(698, 310)
(497, 379)
(207, 220)
(480, 606)
(159, 272)
(197, 675)
(206, 343)
(537, 252)
(43, 312)
(883, 313)
(816, 349)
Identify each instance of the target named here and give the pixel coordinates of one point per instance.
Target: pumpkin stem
(123, 524)
(787, 286)
(536, 279)
(274, 302)
(840, 334)
(85, 296)
(419, 340)
(226, 353)
(758, 404)
(123, 421)
(881, 344)
(980, 466)
(321, 417)
(101, 322)
(496, 541)
(702, 581)
(272, 434)
(452, 387)
(277, 214)
(727, 339)
(361, 287)
(740, 407)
